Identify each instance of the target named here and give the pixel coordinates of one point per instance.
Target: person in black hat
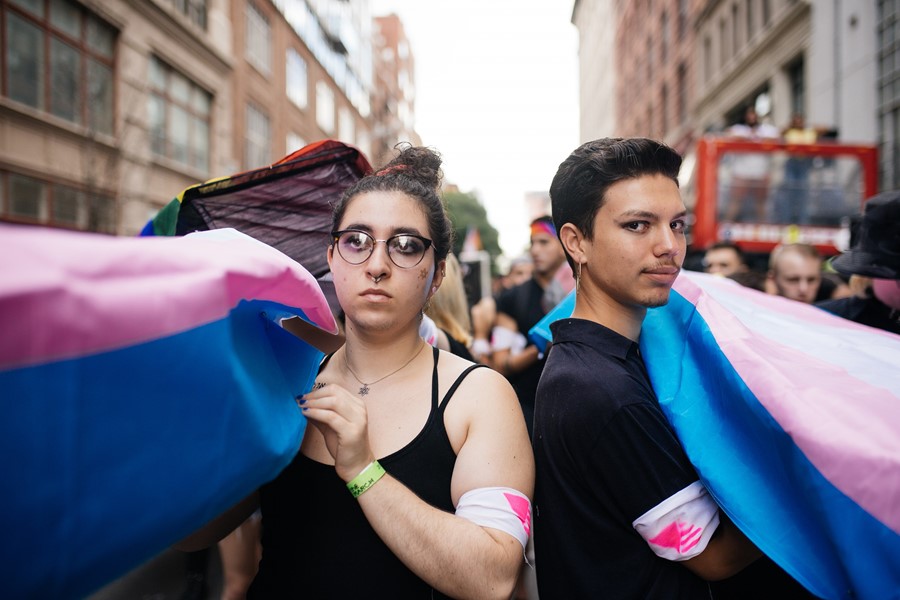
(876, 255)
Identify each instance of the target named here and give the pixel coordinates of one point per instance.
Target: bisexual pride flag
(146, 386)
(791, 416)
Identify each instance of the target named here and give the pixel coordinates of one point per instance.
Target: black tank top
(316, 540)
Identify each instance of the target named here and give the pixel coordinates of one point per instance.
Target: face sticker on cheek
(423, 273)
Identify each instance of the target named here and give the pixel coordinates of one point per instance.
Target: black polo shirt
(605, 454)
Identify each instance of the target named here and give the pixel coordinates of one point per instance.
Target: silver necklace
(364, 390)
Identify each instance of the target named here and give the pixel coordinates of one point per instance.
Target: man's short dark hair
(579, 186)
(726, 245)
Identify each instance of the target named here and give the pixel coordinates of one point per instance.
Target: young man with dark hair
(619, 509)
(520, 308)
(724, 258)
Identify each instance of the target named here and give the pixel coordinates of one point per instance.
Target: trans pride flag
(791, 416)
(147, 385)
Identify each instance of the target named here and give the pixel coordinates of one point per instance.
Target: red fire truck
(762, 193)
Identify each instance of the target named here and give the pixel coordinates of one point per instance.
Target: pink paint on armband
(522, 507)
(501, 508)
(678, 536)
(679, 527)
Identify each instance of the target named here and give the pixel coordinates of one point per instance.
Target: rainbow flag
(286, 205)
(147, 386)
(791, 416)
(472, 242)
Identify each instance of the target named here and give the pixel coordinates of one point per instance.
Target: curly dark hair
(579, 186)
(416, 172)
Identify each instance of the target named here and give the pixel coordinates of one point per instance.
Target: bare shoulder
(479, 385)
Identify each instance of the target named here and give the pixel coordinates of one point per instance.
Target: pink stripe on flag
(65, 294)
(785, 352)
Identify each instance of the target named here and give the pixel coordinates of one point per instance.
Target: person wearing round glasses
(405, 250)
(415, 477)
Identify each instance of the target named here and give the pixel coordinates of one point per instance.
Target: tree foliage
(465, 210)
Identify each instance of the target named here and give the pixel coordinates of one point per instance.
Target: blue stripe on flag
(113, 457)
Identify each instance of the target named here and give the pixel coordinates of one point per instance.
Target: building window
(27, 199)
(296, 79)
(723, 44)
(892, 175)
(682, 93)
(258, 40)
(179, 115)
(749, 11)
(324, 107)
(346, 126)
(735, 31)
(664, 26)
(257, 138)
(294, 142)
(33, 200)
(795, 74)
(59, 58)
(682, 18)
(664, 110)
(707, 60)
(194, 10)
(888, 85)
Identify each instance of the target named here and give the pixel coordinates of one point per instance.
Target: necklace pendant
(364, 390)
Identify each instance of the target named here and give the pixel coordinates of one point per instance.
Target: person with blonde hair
(449, 309)
(795, 272)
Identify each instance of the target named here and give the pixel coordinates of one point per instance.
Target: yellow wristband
(365, 479)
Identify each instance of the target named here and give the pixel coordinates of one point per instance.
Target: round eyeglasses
(405, 250)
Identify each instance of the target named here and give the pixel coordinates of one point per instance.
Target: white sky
(497, 96)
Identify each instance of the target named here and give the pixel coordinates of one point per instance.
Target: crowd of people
(856, 289)
(422, 462)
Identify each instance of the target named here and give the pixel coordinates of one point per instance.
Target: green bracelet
(365, 479)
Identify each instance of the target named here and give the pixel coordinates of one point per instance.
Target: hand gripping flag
(791, 416)
(147, 385)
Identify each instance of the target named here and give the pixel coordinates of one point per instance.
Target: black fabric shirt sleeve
(638, 461)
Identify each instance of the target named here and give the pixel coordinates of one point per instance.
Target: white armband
(507, 339)
(501, 338)
(498, 508)
(518, 344)
(680, 526)
(480, 347)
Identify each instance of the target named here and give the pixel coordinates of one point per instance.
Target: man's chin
(657, 301)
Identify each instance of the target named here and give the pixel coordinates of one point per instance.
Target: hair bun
(417, 162)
